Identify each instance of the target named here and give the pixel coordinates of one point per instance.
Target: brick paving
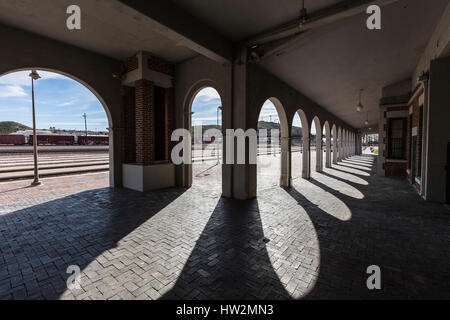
(312, 241)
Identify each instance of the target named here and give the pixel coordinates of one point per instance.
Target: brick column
(145, 122)
(170, 119)
(129, 113)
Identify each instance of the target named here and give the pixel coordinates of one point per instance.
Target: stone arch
(319, 153)
(306, 169)
(328, 144)
(285, 167)
(113, 174)
(187, 124)
(335, 148)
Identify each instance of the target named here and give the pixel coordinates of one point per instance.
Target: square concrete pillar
(147, 178)
(149, 120)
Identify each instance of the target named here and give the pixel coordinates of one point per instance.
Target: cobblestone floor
(313, 241)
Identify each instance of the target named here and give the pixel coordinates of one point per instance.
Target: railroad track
(21, 166)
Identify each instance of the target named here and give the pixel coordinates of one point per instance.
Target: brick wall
(145, 129)
(161, 129)
(170, 108)
(129, 113)
(159, 65)
(395, 169)
(131, 64)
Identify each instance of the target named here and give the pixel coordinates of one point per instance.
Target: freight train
(53, 140)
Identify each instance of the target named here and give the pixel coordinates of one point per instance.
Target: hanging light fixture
(367, 119)
(360, 107)
(303, 14)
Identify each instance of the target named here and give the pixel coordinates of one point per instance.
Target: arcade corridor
(314, 240)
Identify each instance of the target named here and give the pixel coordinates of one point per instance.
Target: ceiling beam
(278, 40)
(173, 22)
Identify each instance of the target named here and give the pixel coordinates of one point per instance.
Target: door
(447, 167)
(414, 159)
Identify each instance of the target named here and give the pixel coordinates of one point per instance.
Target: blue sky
(205, 106)
(207, 100)
(60, 102)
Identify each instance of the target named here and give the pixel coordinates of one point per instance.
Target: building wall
(438, 129)
(415, 129)
(390, 167)
(393, 104)
(438, 46)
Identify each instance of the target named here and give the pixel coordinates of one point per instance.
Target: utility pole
(34, 76)
(85, 124)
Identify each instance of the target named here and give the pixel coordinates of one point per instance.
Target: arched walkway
(112, 161)
(274, 141)
(206, 127)
(200, 100)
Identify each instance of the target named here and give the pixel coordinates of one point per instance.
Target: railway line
(15, 166)
(16, 162)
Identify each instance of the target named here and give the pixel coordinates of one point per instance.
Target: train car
(93, 140)
(53, 140)
(12, 139)
(203, 140)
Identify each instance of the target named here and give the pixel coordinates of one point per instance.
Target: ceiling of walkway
(329, 67)
(107, 27)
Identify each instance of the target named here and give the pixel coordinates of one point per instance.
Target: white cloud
(14, 109)
(20, 78)
(268, 103)
(89, 123)
(68, 103)
(97, 112)
(12, 91)
(205, 119)
(208, 94)
(46, 75)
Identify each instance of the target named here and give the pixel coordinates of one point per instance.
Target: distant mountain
(296, 131)
(7, 127)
